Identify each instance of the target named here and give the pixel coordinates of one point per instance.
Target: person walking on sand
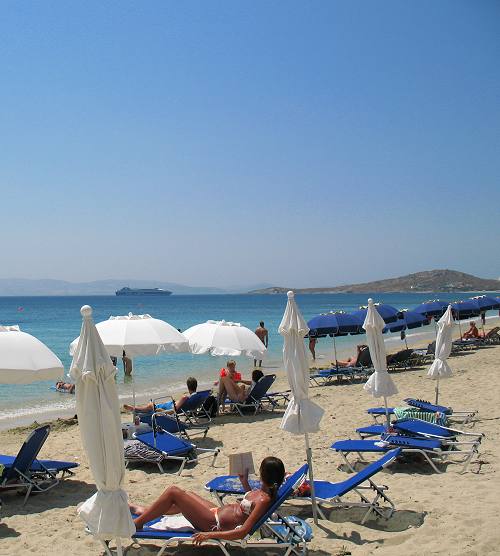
(263, 335)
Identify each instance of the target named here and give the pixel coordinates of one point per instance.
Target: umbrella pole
(387, 418)
(437, 390)
(311, 479)
(133, 395)
(335, 351)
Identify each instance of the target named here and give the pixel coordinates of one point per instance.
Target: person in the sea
(167, 407)
(263, 335)
(231, 384)
(65, 387)
(473, 332)
(127, 364)
(352, 361)
(229, 522)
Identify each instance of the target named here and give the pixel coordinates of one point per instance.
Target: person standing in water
(263, 335)
(127, 364)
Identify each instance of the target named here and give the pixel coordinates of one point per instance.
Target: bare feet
(136, 509)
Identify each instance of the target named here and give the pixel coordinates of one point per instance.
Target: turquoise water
(56, 321)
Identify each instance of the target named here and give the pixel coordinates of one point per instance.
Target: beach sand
(449, 513)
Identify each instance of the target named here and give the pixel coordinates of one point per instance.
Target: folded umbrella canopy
(380, 383)
(25, 359)
(106, 513)
(444, 342)
(302, 416)
(224, 338)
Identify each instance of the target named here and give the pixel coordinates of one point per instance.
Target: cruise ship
(142, 291)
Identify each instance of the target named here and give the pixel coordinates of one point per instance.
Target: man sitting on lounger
(473, 332)
(167, 407)
(352, 361)
(232, 385)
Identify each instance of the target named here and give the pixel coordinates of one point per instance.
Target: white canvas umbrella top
(301, 415)
(106, 513)
(444, 343)
(380, 384)
(224, 338)
(138, 335)
(25, 359)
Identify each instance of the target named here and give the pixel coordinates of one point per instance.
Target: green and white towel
(416, 413)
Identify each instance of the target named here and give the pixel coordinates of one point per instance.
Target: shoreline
(65, 406)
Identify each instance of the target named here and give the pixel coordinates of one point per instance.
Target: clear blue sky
(298, 143)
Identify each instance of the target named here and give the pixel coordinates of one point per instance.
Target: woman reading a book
(230, 522)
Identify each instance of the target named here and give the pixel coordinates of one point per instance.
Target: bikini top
(246, 505)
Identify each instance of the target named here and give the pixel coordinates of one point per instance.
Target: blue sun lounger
(418, 428)
(463, 416)
(328, 493)
(324, 377)
(289, 533)
(256, 397)
(162, 446)
(172, 424)
(430, 448)
(24, 471)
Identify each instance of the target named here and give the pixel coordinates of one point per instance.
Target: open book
(239, 463)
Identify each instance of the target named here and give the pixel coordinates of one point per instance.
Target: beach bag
(210, 406)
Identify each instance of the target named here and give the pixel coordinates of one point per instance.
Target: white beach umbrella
(25, 359)
(138, 335)
(224, 338)
(444, 342)
(380, 383)
(302, 416)
(106, 513)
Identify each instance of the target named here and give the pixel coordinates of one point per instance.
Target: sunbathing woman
(352, 361)
(230, 522)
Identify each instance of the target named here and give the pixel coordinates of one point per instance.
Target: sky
(309, 143)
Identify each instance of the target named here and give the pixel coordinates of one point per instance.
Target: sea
(56, 321)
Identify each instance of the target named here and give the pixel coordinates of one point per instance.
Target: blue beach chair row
(327, 493)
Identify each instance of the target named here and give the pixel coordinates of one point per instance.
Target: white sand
(436, 514)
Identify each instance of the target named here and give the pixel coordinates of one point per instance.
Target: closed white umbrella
(224, 338)
(25, 359)
(380, 383)
(106, 513)
(302, 416)
(444, 342)
(138, 335)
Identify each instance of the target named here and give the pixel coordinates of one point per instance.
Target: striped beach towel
(416, 413)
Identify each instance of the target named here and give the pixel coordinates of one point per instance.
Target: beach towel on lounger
(416, 413)
(136, 451)
(177, 523)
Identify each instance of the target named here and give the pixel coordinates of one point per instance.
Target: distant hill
(427, 281)
(24, 286)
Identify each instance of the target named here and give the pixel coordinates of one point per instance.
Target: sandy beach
(451, 513)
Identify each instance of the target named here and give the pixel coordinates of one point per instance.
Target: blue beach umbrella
(465, 309)
(410, 320)
(485, 303)
(335, 323)
(433, 308)
(387, 312)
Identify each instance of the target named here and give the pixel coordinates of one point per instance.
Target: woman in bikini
(230, 522)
